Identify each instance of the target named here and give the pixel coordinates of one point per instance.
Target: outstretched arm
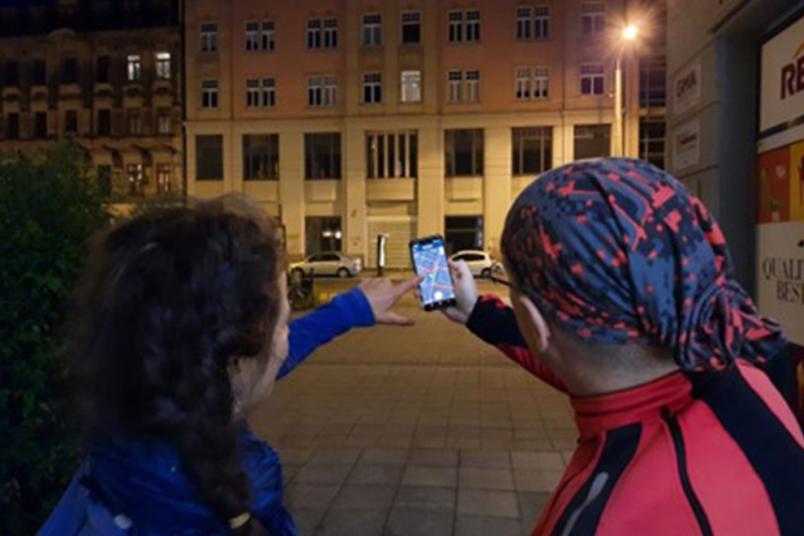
(494, 322)
(369, 304)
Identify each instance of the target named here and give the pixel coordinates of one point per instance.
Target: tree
(49, 206)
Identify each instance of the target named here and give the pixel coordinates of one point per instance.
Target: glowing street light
(630, 32)
(628, 35)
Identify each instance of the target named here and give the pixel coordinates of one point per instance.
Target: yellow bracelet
(238, 521)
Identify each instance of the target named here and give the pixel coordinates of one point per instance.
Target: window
(322, 91)
(252, 36)
(464, 86)
(136, 179)
(40, 125)
(164, 179)
(164, 122)
(209, 38)
(267, 35)
(331, 33)
(392, 154)
(134, 71)
(411, 28)
(209, 94)
(523, 83)
(372, 88)
(322, 155)
(69, 72)
(593, 18)
(592, 79)
(372, 30)
(39, 73)
(314, 33)
(323, 234)
(524, 22)
(455, 81)
(455, 26)
(163, 65)
(411, 82)
(102, 70)
(541, 82)
(541, 22)
(105, 180)
(13, 126)
(532, 150)
(134, 122)
(209, 157)
(472, 82)
(260, 92)
(473, 25)
(260, 157)
(651, 140)
(652, 82)
(592, 141)
(71, 122)
(104, 122)
(463, 152)
(464, 232)
(464, 27)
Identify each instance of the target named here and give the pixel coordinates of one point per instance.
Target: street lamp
(629, 35)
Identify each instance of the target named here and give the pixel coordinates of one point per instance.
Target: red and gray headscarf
(617, 251)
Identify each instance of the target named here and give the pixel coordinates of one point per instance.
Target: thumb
(407, 286)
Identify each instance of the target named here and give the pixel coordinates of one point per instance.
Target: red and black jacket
(700, 453)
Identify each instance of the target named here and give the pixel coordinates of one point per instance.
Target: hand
(382, 295)
(465, 292)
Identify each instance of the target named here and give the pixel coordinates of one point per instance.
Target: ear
(531, 323)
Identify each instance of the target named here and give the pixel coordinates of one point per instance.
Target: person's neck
(591, 381)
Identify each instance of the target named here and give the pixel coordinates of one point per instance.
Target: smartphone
(430, 262)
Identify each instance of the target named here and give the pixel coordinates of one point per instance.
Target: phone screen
(430, 262)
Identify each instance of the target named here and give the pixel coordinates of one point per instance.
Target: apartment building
(348, 119)
(105, 73)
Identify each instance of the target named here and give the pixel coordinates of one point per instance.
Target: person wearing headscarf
(624, 297)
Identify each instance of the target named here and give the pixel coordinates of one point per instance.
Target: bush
(49, 205)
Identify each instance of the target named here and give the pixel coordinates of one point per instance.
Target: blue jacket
(135, 487)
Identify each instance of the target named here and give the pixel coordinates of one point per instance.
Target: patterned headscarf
(616, 251)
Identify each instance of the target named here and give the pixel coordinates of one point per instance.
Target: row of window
(103, 65)
(136, 178)
(133, 121)
(532, 22)
(463, 86)
(396, 154)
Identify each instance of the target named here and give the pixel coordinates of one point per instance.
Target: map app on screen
(430, 261)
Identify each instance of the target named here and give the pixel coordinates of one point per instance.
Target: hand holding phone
(430, 262)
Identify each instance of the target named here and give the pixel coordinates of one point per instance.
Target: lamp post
(629, 34)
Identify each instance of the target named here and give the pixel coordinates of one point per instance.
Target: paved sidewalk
(419, 431)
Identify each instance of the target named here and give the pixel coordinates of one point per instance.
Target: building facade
(736, 137)
(106, 74)
(348, 119)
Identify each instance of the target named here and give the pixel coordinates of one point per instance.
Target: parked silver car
(480, 262)
(327, 263)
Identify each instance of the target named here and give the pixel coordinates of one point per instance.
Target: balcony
(391, 189)
(321, 191)
(265, 191)
(463, 188)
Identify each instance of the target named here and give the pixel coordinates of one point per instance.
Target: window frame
(520, 136)
(372, 30)
(210, 93)
(251, 155)
(372, 88)
(417, 24)
(163, 65)
(593, 77)
(409, 85)
(208, 37)
(593, 18)
(477, 142)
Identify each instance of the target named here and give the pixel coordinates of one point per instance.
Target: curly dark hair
(169, 299)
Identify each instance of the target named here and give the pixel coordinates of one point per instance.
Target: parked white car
(480, 263)
(327, 263)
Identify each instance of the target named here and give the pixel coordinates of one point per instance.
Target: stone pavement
(418, 431)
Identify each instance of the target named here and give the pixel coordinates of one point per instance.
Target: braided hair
(169, 300)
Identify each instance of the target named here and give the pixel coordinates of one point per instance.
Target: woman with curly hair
(180, 329)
